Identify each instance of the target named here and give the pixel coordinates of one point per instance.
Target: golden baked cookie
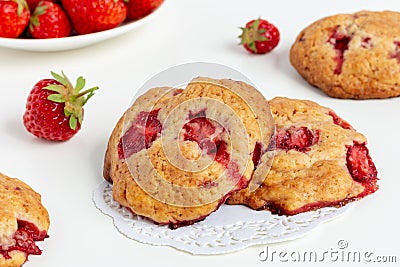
(353, 56)
(176, 155)
(320, 161)
(23, 221)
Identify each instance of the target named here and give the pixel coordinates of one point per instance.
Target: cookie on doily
(177, 154)
(353, 56)
(23, 221)
(320, 161)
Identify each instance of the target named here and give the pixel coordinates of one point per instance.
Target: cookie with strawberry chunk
(23, 221)
(176, 155)
(320, 161)
(353, 56)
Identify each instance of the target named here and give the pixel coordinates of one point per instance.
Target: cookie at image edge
(23, 221)
(355, 56)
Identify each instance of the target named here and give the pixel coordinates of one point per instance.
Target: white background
(184, 31)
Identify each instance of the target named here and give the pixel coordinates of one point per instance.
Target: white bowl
(76, 41)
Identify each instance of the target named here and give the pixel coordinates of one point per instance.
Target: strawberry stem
(91, 90)
(21, 5)
(71, 96)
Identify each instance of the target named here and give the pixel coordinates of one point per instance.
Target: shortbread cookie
(176, 155)
(351, 55)
(23, 221)
(320, 161)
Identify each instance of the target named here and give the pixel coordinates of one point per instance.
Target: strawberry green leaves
(72, 97)
(252, 34)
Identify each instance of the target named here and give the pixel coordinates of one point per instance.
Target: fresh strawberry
(14, 17)
(49, 21)
(140, 8)
(33, 3)
(54, 107)
(259, 36)
(94, 16)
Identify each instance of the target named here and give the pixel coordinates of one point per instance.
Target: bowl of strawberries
(56, 25)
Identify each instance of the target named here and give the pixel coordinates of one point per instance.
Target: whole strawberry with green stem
(54, 109)
(49, 21)
(94, 16)
(259, 36)
(14, 17)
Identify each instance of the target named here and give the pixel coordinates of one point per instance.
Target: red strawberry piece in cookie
(340, 41)
(360, 164)
(298, 138)
(140, 135)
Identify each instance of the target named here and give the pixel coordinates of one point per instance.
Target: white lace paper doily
(229, 229)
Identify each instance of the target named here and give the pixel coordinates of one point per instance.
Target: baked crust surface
(353, 56)
(314, 177)
(241, 118)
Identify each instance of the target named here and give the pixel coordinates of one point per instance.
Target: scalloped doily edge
(125, 228)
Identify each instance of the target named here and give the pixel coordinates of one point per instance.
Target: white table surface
(184, 31)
